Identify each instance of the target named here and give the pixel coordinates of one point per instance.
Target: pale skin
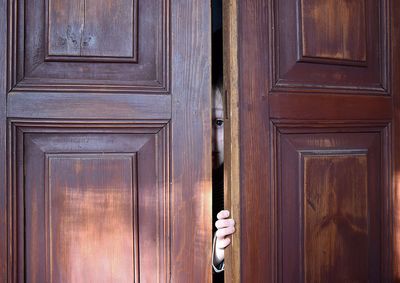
(224, 224)
(226, 227)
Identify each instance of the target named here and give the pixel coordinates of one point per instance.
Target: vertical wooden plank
(231, 146)
(334, 29)
(3, 184)
(83, 191)
(107, 23)
(191, 141)
(395, 47)
(336, 221)
(66, 23)
(92, 28)
(257, 211)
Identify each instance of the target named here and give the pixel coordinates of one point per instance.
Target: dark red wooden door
(104, 150)
(319, 99)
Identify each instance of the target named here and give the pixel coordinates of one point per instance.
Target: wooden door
(319, 150)
(104, 141)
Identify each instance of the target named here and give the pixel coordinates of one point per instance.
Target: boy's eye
(219, 122)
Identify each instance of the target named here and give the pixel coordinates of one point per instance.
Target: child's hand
(226, 227)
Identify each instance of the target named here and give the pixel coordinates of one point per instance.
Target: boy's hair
(217, 59)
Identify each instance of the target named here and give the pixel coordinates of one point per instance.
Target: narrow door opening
(217, 120)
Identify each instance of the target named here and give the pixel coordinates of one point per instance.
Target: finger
(223, 214)
(223, 223)
(224, 232)
(222, 244)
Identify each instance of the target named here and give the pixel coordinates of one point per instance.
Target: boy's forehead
(217, 110)
(217, 113)
(217, 99)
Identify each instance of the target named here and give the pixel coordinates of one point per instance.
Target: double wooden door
(105, 141)
(314, 98)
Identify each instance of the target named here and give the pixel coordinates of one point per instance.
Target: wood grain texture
(335, 217)
(88, 106)
(86, 45)
(28, 51)
(332, 213)
(99, 201)
(3, 131)
(66, 23)
(231, 136)
(329, 45)
(283, 94)
(257, 210)
(334, 29)
(394, 267)
(330, 107)
(115, 35)
(91, 218)
(92, 28)
(191, 141)
(59, 105)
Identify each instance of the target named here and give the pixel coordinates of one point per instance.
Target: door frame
(231, 135)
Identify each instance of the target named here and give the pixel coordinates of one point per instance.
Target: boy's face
(217, 129)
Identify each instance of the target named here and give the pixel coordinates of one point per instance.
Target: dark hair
(217, 58)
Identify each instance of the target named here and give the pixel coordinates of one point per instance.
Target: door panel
(330, 207)
(89, 45)
(94, 203)
(318, 113)
(346, 26)
(89, 28)
(88, 105)
(330, 44)
(105, 126)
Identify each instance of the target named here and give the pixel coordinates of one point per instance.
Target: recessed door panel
(331, 211)
(330, 44)
(336, 217)
(89, 45)
(91, 217)
(91, 205)
(92, 29)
